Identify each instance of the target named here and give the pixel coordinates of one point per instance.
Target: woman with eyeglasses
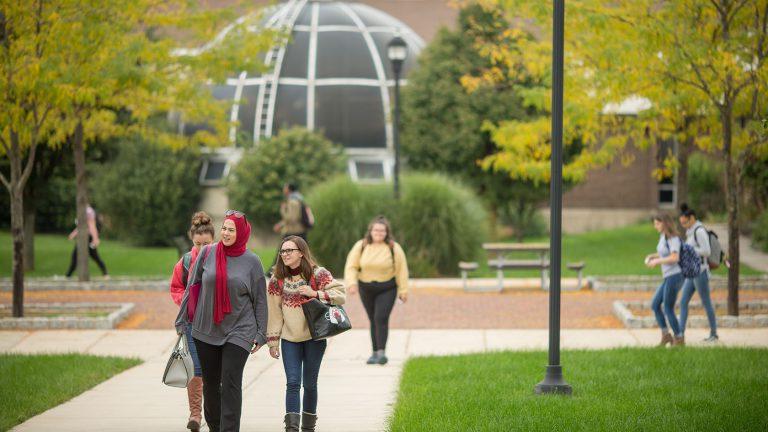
(378, 266)
(225, 301)
(298, 279)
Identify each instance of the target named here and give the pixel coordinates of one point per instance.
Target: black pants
(93, 253)
(222, 384)
(378, 299)
(277, 253)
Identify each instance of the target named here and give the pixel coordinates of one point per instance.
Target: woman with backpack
(377, 266)
(225, 302)
(667, 256)
(296, 280)
(201, 233)
(698, 237)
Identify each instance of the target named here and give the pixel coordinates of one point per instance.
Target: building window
(667, 185)
(369, 170)
(213, 172)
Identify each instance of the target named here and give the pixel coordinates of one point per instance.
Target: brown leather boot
(292, 421)
(679, 341)
(666, 338)
(308, 422)
(195, 396)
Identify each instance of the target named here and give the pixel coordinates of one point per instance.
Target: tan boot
(679, 341)
(195, 396)
(666, 338)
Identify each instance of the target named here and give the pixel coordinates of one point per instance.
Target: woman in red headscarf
(225, 301)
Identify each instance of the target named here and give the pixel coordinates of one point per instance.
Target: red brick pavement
(425, 308)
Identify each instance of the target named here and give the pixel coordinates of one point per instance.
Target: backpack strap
(186, 260)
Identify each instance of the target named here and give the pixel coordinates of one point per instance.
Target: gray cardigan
(247, 295)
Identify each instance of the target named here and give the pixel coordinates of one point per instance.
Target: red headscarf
(221, 305)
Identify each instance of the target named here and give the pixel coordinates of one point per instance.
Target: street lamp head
(397, 51)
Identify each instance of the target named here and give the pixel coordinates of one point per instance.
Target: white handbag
(180, 370)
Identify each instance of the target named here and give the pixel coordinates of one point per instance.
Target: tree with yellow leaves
(700, 63)
(79, 70)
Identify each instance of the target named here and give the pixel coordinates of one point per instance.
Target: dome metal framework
(332, 75)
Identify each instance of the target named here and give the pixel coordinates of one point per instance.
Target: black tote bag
(325, 320)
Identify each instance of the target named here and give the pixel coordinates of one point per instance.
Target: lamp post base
(553, 382)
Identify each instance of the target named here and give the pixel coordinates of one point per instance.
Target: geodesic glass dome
(333, 75)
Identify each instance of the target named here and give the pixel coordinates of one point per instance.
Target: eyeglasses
(287, 251)
(235, 213)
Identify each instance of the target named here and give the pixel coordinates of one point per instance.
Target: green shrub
(706, 192)
(296, 155)
(148, 192)
(760, 231)
(437, 221)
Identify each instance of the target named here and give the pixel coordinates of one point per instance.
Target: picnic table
(502, 261)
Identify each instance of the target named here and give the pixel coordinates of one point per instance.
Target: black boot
(292, 422)
(308, 422)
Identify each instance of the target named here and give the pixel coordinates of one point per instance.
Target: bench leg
(543, 279)
(464, 279)
(579, 287)
(500, 276)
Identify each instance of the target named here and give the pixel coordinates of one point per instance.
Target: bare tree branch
(5, 182)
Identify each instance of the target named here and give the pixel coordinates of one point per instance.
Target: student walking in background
(698, 237)
(667, 256)
(298, 279)
(377, 268)
(93, 243)
(201, 233)
(295, 220)
(225, 301)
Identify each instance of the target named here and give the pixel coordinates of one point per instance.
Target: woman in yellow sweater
(297, 280)
(376, 266)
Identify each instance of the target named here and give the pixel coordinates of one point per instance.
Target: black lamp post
(553, 380)
(397, 51)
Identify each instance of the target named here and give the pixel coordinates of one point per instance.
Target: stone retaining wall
(120, 312)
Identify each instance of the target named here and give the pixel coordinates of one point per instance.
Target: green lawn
(30, 385)
(617, 251)
(715, 389)
(53, 252)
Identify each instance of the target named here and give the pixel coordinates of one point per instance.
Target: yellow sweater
(285, 315)
(375, 263)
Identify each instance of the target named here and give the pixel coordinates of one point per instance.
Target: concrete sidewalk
(354, 397)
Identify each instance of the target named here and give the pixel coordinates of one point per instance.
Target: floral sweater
(286, 317)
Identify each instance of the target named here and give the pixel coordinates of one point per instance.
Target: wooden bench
(579, 267)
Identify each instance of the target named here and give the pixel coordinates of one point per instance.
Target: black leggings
(378, 299)
(222, 384)
(93, 253)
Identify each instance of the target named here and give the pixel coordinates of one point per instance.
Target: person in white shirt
(696, 236)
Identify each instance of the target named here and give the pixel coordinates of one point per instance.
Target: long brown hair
(307, 265)
(389, 239)
(201, 224)
(669, 228)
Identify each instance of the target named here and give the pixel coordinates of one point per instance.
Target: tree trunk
(17, 236)
(684, 151)
(732, 205)
(29, 232)
(82, 204)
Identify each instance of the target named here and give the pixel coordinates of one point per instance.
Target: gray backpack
(717, 256)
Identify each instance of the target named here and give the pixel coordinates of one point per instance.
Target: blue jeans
(699, 283)
(193, 351)
(666, 295)
(301, 361)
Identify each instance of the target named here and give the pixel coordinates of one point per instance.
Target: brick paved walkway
(427, 308)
